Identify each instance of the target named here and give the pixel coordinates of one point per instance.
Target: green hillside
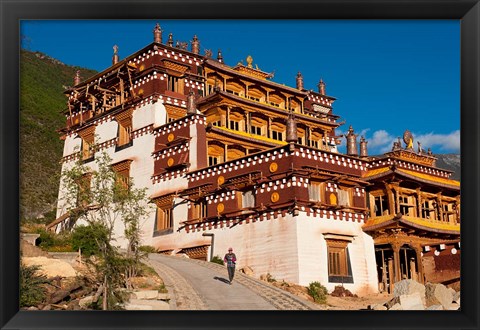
(42, 82)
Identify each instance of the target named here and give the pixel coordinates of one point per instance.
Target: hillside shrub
(217, 260)
(147, 249)
(318, 292)
(32, 286)
(50, 241)
(270, 278)
(86, 238)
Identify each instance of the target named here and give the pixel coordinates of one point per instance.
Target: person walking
(230, 259)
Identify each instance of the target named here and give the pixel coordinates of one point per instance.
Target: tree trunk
(105, 294)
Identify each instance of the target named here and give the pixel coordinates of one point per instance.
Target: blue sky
(387, 76)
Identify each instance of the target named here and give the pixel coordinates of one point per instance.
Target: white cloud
(381, 141)
(443, 142)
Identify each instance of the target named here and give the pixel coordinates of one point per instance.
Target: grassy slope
(42, 82)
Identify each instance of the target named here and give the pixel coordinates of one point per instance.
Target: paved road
(200, 285)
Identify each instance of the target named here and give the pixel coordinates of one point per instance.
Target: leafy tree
(85, 238)
(97, 197)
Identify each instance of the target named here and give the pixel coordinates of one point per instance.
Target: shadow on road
(221, 279)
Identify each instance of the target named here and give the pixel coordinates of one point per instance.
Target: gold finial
(249, 61)
(408, 139)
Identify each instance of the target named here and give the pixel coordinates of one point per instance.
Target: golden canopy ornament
(408, 139)
(249, 61)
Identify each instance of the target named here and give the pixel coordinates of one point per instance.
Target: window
(164, 215)
(407, 205)
(256, 130)
(233, 92)
(448, 212)
(258, 126)
(339, 268)
(428, 209)
(124, 135)
(248, 199)
(122, 178)
(87, 135)
(199, 210)
(235, 125)
(381, 205)
(314, 191)
(87, 150)
(124, 120)
(215, 154)
(343, 197)
(315, 140)
(83, 191)
(217, 123)
(175, 84)
(164, 218)
(172, 83)
(313, 143)
(210, 89)
(213, 160)
(276, 135)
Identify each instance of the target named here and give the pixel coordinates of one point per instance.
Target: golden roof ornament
(249, 61)
(250, 70)
(408, 139)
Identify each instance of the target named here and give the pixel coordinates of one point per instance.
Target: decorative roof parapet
(412, 156)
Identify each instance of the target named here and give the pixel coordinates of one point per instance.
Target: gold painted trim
(275, 197)
(273, 167)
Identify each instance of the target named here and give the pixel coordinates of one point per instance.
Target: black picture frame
(468, 11)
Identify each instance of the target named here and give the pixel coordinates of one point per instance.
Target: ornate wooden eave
(331, 175)
(242, 180)
(162, 199)
(410, 223)
(197, 192)
(400, 236)
(216, 66)
(145, 49)
(234, 137)
(424, 178)
(122, 165)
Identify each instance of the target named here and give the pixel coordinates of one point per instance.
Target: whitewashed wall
(141, 169)
(313, 256)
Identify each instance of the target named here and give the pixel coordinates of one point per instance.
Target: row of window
(429, 209)
(254, 94)
(124, 138)
(122, 186)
